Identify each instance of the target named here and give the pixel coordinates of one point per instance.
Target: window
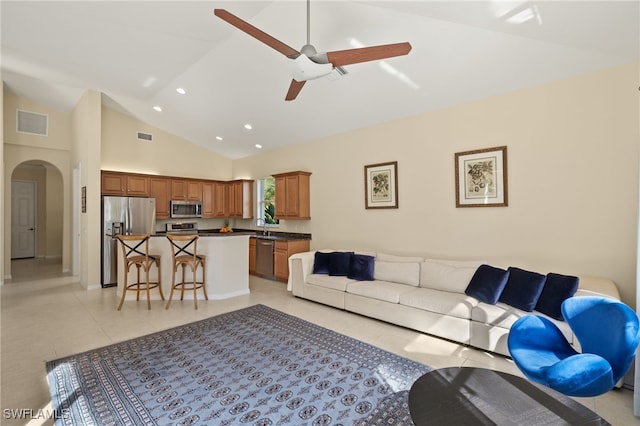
(266, 202)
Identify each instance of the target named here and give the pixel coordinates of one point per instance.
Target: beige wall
(53, 152)
(167, 155)
(572, 177)
(86, 131)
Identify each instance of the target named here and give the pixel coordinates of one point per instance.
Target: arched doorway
(37, 210)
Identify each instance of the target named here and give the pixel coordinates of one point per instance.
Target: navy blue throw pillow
(321, 263)
(523, 289)
(361, 267)
(339, 262)
(487, 284)
(556, 290)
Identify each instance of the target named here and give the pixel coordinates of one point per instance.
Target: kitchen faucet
(264, 225)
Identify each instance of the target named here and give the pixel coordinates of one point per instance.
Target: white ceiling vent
(32, 123)
(147, 137)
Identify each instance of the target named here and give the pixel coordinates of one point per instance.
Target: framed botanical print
(481, 178)
(381, 185)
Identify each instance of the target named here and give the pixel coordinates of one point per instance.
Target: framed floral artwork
(481, 178)
(381, 185)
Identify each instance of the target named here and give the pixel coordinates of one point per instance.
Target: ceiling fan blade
(256, 33)
(294, 89)
(364, 54)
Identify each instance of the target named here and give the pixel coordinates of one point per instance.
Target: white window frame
(260, 204)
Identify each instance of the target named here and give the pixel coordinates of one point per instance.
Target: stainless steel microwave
(181, 208)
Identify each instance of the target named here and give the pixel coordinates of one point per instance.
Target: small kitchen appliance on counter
(182, 228)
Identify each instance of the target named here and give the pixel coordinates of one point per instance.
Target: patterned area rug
(255, 366)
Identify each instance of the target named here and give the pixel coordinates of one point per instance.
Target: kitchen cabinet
(282, 251)
(124, 184)
(292, 195)
(114, 183)
(252, 255)
(137, 185)
(240, 198)
(213, 199)
(186, 189)
(160, 189)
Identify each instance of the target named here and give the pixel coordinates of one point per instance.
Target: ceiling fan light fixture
(305, 69)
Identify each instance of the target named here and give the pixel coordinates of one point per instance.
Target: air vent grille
(32, 123)
(147, 137)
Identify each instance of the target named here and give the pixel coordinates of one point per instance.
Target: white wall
(167, 155)
(572, 177)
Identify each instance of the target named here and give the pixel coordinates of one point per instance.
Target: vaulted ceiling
(137, 53)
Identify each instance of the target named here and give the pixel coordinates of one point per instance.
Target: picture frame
(381, 185)
(481, 178)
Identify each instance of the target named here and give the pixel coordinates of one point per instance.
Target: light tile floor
(46, 315)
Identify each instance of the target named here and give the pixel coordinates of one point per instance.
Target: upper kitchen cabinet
(240, 198)
(124, 184)
(186, 189)
(292, 195)
(137, 185)
(160, 189)
(114, 183)
(213, 199)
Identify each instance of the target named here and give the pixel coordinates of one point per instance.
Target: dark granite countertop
(271, 235)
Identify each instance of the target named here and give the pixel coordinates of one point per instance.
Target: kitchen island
(227, 266)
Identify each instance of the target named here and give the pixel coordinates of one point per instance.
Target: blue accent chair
(608, 333)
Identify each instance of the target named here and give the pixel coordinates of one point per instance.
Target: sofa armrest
(300, 266)
(597, 286)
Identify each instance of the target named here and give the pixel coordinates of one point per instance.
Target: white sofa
(427, 295)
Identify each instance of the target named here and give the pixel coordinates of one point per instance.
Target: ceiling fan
(308, 63)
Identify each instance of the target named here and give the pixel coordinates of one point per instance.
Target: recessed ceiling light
(219, 138)
(181, 91)
(157, 108)
(248, 126)
(258, 146)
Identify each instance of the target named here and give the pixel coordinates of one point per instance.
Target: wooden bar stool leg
(195, 286)
(124, 289)
(148, 288)
(204, 280)
(173, 285)
(157, 262)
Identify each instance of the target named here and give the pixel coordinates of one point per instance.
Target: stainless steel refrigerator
(123, 215)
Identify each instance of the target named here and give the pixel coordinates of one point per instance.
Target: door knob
(31, 229)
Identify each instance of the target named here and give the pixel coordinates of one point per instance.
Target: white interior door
(23, 219)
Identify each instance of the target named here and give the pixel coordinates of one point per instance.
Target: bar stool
(184, 255)
(135, 252)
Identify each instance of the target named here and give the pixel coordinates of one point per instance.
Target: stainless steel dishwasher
(264, 256)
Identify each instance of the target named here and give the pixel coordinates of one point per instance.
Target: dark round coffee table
(477, 396)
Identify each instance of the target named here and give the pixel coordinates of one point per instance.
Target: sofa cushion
(380, 290)
(441, 276)
(339, 262)
(441, 302)
(557, 288)
(458, 263)
(321, 263)
(397, 272)
(523, 289)
(327, 281)
(393, 258)
(361, 267)
(487, 284)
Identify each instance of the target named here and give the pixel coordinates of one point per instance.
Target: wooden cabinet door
(114, 183)
(292, 207)
(292, 195)
(160, 189)
(280, 261)
(208, 199)
(194, 190)
(219, 202)
(284, 250)
(178, 189)
(137, 186)
(252, 255)
(281, 196)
